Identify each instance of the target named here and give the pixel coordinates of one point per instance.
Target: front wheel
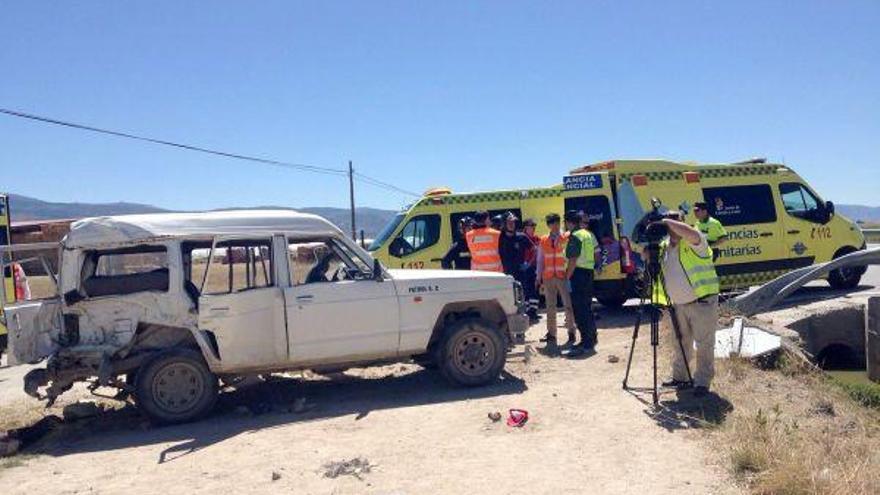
(175, 387)
(847, 277)
(472, 353)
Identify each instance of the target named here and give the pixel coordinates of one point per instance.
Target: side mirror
(377, 271)
(829, 208)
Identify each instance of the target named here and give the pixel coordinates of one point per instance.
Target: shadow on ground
(278, 402)
(688, 412)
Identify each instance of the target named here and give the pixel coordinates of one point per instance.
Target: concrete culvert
(839, 357)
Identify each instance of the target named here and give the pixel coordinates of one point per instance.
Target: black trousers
(582, 305)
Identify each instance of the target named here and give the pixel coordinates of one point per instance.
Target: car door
(336, 311)
(241, 304)
(802, 222)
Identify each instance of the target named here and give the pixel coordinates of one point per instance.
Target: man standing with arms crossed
(581, 259)
(552, 275)
(689, 284)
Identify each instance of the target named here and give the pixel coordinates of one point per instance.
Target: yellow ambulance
(8, 281)
(775, 220)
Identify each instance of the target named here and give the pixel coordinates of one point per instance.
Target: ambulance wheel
(847, 277)
(176, 387)
(611, 301)
(472, 353)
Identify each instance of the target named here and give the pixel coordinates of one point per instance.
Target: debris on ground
(81, 410)
(613, 359)
(823, 408)
(495, 416)
(276, 476)
(352, 467)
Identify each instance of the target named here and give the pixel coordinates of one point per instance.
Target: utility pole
(351, 197)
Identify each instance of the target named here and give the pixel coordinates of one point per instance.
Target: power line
(266, 161)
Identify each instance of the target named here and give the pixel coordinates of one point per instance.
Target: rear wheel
(845, 278)
(472, 353)
(176, 387)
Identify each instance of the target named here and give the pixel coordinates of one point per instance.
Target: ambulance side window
(799, 201)
(741, 205)
(419, 233)
(455, 217)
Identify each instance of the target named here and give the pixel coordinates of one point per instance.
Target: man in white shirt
(689, 284)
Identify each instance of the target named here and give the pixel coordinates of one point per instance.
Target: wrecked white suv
(161, 306)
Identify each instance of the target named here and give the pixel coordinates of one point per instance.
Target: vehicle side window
(125, 271)
(421, 232)
(239, 265)
(741, 205)
(799, 201)
(455, 217)
(323, 261)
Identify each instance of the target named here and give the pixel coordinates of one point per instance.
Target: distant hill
(869, 214)
(24, 208)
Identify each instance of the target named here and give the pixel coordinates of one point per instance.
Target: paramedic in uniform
(551, 275)
(580, 252)
(689, 283)
(482, 242)
(715, 233)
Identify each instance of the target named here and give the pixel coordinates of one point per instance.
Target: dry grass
(792, 432)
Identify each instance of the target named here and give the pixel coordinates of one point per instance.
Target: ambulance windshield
(386, 232)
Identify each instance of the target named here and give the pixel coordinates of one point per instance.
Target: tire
(175, 387)
(611, 301)
(845, 278)
(472, 353)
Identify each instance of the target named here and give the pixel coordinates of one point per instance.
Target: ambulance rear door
(592, 194)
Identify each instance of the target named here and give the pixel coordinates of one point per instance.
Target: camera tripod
(653, 273)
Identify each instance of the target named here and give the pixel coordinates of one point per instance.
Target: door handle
(307, 297)
(436, 259)
(766, 234)
(220, 308)
(792, 232)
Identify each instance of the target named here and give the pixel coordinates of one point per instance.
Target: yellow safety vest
(699, 270)
(588, 245)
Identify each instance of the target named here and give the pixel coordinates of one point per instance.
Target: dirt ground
(416, 433)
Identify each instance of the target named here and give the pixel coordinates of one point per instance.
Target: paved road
(872, 277)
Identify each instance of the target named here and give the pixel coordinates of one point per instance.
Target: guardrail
(872, 236)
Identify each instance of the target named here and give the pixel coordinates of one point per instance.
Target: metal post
(872, 338)
(351, 197)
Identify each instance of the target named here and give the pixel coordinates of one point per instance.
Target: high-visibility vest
(699, 270)
(483, 245)
(712, 228)
(554, 256)
(587, 258)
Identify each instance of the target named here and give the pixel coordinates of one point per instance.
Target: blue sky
(473, 95)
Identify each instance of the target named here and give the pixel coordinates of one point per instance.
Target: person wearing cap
(458, 257)
(688, 282)
(709, 226)
(531, 260)
(580, 252)
(551, 275)
(482, 242)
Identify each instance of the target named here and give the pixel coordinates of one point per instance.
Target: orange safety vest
(554, 256)
(483, 245)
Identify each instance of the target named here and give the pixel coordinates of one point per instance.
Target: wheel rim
(847, 273)
(473, 353)
(177, 387)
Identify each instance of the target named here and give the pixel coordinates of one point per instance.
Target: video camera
(649, 229)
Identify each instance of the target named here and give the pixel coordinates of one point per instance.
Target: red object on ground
(517, 418)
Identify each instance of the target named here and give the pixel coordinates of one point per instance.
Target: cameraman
(689, 284)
